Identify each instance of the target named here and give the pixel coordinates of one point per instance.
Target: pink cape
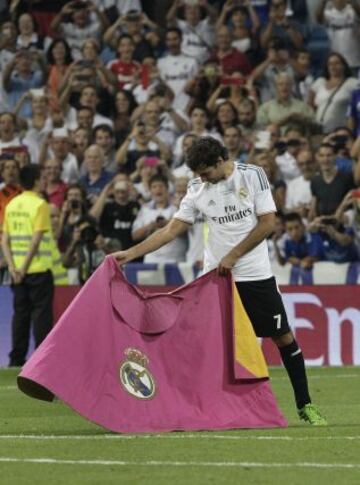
(136, 362)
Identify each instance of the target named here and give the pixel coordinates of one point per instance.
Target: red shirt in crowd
(233, 61)
(6, 194)
(57, 196)
(124, 71)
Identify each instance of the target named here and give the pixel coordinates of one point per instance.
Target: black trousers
(33, 299)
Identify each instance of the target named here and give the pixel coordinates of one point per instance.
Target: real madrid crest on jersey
(135, 377)
(242, 192)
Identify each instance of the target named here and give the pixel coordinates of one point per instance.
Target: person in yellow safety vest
(26, 245)
(59, 272)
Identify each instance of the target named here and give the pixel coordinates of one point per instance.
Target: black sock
(293, 360)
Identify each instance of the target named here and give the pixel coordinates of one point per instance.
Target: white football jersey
(231, 208)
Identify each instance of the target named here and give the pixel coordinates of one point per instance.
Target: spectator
(277, 62)
(342, 141)
(116, 215)
(182, 170)
(199, 124)
(10, 186)
(298, 191)
(229, 58)
(96, 176)
(288, 149)
(161, 119)
(303, 77)
(19, 78)
(57, 146)
(125, 69)
(285, 109)
(232, 89)
(54, 187)
(86, 251)
(80, 140)
(89, 98)
(73, 209)
(341, 19)
(103, 137)
(28, 37)
(176, 69)
(40, 123)
(136, 24)
(233, 143)
(353, 121)
(348, 214)
(7, 43)
(276, 241)
(247, 117)
(146, 168)
(280, 26)
(202, 86)
(330, 186)
(139, 144)
(9, 139)
(331, 93)
(225, 117)
(196, 27)
(337, 241)
(59, 58)
(266, 161)
(124, 106)
(239, 18)
(156, 215)
(301, 248)
(78, 21)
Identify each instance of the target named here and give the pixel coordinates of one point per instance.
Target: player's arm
(153, 242)
(264, 227)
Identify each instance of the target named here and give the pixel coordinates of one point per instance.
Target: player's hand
(226, 265)
(122, 257)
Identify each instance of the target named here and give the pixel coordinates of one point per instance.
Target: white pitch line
(169, 436)
(154, 463)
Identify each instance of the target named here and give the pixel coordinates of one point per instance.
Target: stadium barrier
(324, 317)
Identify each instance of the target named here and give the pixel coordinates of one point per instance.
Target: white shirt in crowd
(287, 166)
(231, 208)
(176, 71)
(334, 114)
(343, 28)
(76, 36)
(298, 193)
(197, 42)
(175, 250)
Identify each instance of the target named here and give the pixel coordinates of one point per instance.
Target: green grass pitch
(48, 443)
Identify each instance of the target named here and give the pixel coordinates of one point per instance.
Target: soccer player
(237, 203)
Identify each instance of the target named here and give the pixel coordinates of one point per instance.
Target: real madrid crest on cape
(135, 377)
(137, 362)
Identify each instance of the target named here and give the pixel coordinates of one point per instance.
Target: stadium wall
(325, 318)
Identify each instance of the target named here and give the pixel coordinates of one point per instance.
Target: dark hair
(50, 55)
(12, 116)
(325, 145)
(78, 187)
(347, 69)
(103, 127)
(205, 152)
(199, 106)
(278, 44)
(81, 107)
(124, 36)
(235, 120)
(29, 175)
(174, 29)
(130, 97)
(293, 217)
(159, 178)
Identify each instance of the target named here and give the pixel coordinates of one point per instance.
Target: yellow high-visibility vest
(25, 214)
(60, 274)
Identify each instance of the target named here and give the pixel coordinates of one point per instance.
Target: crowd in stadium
(108, 96)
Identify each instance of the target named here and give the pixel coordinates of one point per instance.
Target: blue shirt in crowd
(309, 245)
